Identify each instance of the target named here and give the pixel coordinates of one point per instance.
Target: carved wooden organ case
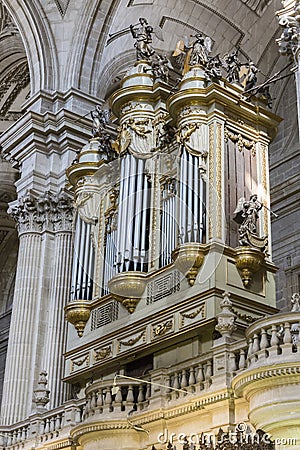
(166, 191)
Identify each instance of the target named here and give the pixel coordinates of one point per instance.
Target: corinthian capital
(47, 212)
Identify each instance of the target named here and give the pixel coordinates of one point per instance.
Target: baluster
(264, 339)
(192, 379)
(148, 392)
(200, 376)
(14, 439)
(273, 350)
(208, 374)
(99, 405)
(19, 434)
(232, 362)
(62, 420)
(57, 422)
(118, 400)
(24, 433)
(242, 361)
(184, 382)
(52, 424)
(176, 381)
(255, 348)
(2, 436)
(47, 426)
(141, 397)
(274, 337)
(9, 439)
(208, 371)
(130, 397)
(108, 399)
(287, 337)
(250, 347)
(42, 427)
(88, 406)
(93, 403)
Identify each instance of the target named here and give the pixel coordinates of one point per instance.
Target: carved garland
(241, 142)
(132, 341)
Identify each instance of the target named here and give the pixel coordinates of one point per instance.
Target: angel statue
(142, 33)
(246, 215)
(251, 77)
(196, 53)
(233, 66)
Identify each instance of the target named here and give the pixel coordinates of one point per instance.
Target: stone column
(41, 284)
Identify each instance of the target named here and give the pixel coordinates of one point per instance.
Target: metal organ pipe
(183, 197)
(138, 214)
(144, 222)
(83, 262)
(197, 199)
(130, 213)
(192, 200)
(74, 287)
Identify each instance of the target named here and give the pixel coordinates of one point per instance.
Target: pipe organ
(160, 193)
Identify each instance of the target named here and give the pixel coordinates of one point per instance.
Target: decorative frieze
(102, 353)
(162, 328)
(80, 362)
(191, 316)
(48, 212)
(132, 341)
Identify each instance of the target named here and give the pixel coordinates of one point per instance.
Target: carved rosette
(47, 212)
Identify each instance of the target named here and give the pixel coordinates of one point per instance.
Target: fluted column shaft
(37, 332)
(56, 325)
(19, 376)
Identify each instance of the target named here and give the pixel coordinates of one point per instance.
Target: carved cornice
(48, 212)
(266, 377)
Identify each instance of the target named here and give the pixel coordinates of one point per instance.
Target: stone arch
(38, 42)
(88, 45)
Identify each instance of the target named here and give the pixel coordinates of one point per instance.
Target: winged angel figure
(194, 53)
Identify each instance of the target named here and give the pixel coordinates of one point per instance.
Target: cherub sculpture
(246, 215)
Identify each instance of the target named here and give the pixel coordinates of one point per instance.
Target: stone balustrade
(43, 426)
(274, 339)
(101, 397)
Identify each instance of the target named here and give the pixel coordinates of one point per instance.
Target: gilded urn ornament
(78, 313)
(188, 259)
(128, 288)
(248, 261)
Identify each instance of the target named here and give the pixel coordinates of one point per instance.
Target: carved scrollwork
(162, 328)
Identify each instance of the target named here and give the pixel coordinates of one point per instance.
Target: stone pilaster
(41, 287)
(59, 296)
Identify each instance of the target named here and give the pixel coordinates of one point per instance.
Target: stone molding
(48, 212)
(256, 379)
